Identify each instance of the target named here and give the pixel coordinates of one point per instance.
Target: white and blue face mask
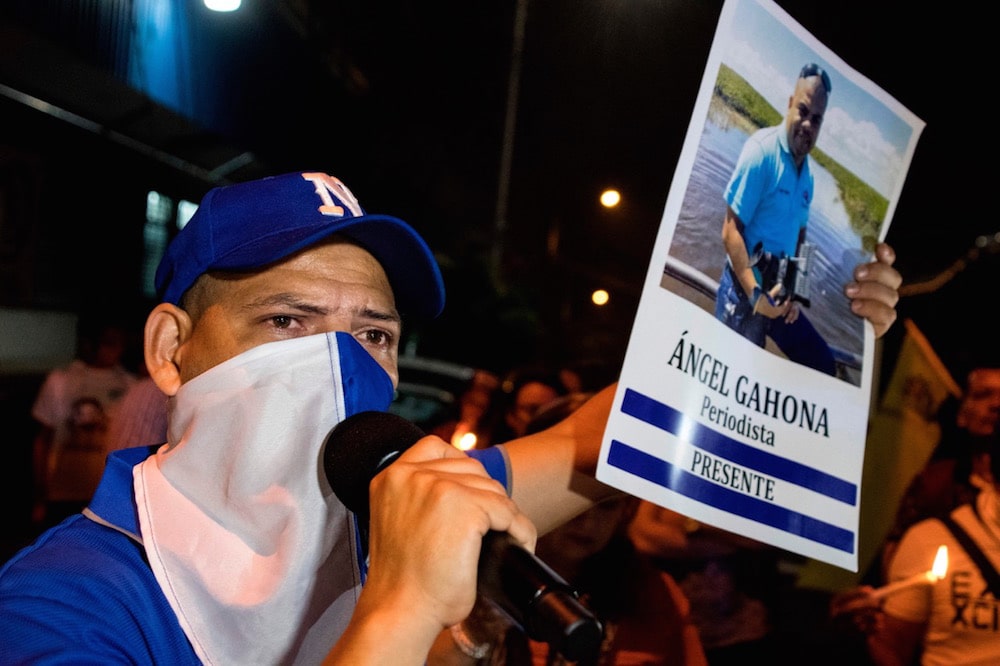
(257, 556)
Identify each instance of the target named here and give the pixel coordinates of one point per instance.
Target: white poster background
(706, 423)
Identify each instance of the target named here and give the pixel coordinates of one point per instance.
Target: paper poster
(763, 434)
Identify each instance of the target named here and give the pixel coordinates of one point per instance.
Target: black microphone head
(359, 447)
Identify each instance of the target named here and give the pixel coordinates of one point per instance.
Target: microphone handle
(537, 598)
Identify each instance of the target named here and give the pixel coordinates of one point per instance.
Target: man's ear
(167, 328)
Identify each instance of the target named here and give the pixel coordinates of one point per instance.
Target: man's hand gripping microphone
(514, 579)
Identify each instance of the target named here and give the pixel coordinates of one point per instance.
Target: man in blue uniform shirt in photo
(767, 212)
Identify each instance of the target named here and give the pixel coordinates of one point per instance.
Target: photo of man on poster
(776, 213)
(764, 232)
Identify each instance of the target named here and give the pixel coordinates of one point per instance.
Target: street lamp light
(610, 198)
(223, 5)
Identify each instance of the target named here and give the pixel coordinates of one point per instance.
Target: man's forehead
(981, 376)
(337, 259)
(812, 88)
(350, 256)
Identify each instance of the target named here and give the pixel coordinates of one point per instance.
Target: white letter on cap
(327, 185)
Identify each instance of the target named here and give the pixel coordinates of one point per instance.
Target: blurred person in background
(141, 417)
(473, 405)
(585, 374)
(955, 473)
(957, 467)
(523, 391)
(73, 408)
(730, 581)
(646, 615)
(953, 621)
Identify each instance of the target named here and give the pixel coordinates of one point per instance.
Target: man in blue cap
(282, 303)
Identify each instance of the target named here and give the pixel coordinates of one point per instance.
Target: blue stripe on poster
(667, 418)
(664, 474)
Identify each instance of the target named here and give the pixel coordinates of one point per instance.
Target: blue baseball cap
(249, 225)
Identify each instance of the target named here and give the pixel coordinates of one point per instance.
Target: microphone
(514, 579)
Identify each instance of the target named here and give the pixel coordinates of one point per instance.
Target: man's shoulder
(766, 135)
(762, 145)
(62, 373)
(934, 530)
(83, 578)
(929, 527)
(73, 368)
(77, 372)
(82, 564)
(965, 516)
(80, 549)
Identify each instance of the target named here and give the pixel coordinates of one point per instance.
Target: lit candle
(463, 439)
(937, 572)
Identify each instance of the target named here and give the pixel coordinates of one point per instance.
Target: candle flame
(464, 441)
(940, 567)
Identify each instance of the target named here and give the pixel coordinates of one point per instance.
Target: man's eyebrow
(290, 300)
(382, 315)
(286, 300)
